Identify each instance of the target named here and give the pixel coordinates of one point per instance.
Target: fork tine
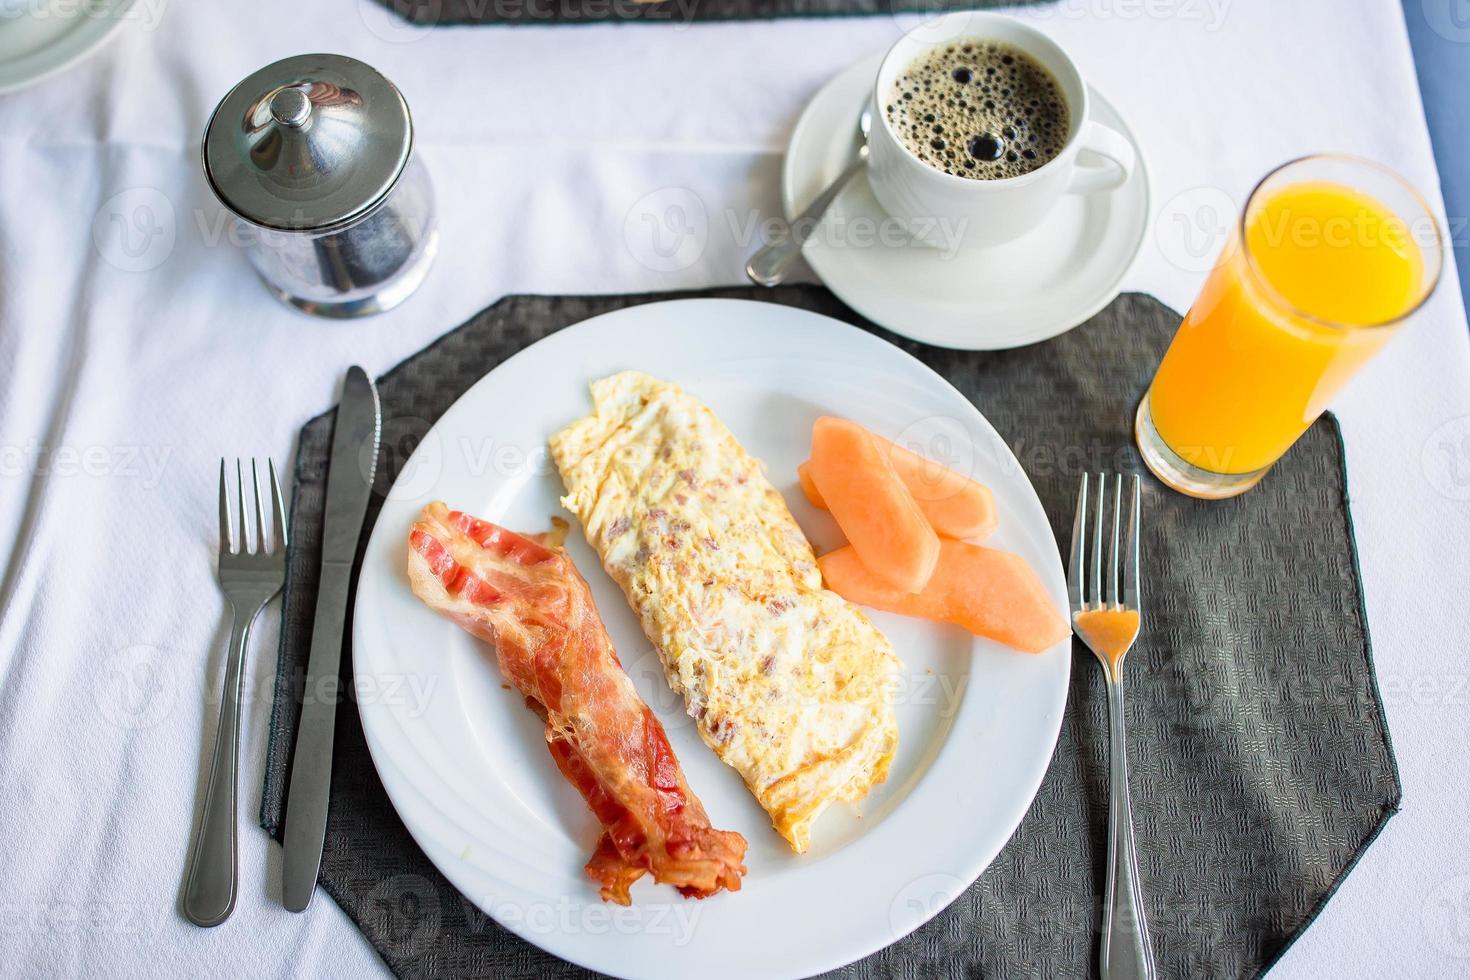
(226, 533)
(1076, 567)
(1097, 539)
(1114, 555)
(260, 545)
(278, 511)
(244, 524)
(1131, 596)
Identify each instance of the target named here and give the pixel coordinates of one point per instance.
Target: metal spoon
(768, 266)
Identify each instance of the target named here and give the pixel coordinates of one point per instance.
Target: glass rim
(1262, 282)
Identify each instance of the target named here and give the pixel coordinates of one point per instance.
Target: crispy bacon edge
(524, 596)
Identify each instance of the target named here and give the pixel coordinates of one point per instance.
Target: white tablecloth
(136, 347)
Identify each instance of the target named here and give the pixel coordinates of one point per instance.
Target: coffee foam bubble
(979, 109)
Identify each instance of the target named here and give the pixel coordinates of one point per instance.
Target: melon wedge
(809, 487)
(852, 473)
(991, 593)
(955, 505)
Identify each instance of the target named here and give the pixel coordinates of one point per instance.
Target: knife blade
(351, 465)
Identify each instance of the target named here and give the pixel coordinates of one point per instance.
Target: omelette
(787, 682)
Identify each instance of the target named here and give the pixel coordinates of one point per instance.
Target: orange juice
(1315, 280)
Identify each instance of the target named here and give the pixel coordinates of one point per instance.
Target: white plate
(1041, 285)
(465, 763)
(52, 36)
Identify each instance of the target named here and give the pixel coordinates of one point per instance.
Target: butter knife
(353, 461)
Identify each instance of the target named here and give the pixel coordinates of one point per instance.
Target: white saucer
(1025, 291)
(50, 38)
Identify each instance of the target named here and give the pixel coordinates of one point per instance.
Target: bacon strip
(524, 596)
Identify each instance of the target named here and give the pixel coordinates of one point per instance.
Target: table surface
(136, 348)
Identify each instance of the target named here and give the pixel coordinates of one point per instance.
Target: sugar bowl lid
(308, 143)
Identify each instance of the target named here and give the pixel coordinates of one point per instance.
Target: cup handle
(1119, 160)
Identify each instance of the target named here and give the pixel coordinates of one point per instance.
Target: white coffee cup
(936, 206)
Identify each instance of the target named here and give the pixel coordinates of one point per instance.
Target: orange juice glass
(1330, 256)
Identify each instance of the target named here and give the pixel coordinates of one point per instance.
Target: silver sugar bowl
(314, 156)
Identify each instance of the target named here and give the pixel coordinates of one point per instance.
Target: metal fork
(250, 574)
(1125, 951)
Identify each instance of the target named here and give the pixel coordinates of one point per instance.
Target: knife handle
(311, 765)
(211, 882)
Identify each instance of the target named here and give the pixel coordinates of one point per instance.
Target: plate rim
(807, 120)
(67, 49)
(974, 862)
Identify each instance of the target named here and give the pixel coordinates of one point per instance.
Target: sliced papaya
(955, 505)
(808, 487)
(991, 593)
(870, 503)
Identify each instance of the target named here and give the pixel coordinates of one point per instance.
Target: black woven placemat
(1261, 760)
(440, 13)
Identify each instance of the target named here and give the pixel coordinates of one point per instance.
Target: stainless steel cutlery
(769, 265)
(251, 569)
(1108, 622)
(353, 461)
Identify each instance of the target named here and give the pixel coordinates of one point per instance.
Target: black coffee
(979, 109)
